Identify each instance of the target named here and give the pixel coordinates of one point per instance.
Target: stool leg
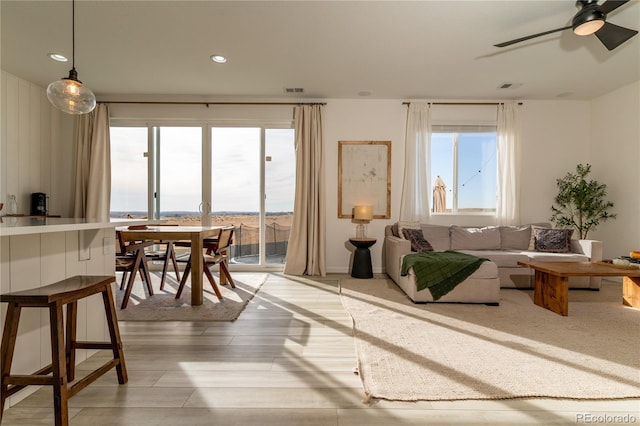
(70, 347)
(114, 334)
(58, 364)
(8, 344)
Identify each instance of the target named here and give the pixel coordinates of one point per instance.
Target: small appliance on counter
(38, 204)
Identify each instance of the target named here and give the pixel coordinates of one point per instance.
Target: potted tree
(580, 203)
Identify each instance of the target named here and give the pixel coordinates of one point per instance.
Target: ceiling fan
(590, 19)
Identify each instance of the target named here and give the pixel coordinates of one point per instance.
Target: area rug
(163, 306)
(412, 352)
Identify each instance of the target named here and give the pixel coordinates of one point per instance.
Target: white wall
(360, 120)
(615, 141)
(36, 149)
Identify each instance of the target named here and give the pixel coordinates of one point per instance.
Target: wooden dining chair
(216, 253)
(131, 260)
(166, 255)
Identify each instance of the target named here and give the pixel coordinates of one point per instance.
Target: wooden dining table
(195, 234)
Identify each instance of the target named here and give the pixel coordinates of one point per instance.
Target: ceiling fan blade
(610, 5)
(518, 40)
(612, 35)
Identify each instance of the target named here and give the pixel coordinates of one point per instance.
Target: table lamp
(362, 215)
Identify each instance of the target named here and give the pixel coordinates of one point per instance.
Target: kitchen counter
(24, 225)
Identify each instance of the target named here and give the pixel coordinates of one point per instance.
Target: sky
(235, 169)
(476, 168)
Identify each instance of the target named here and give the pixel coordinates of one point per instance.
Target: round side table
(362, 257)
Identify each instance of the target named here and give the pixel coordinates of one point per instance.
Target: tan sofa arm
(395, 249)
(593, 249)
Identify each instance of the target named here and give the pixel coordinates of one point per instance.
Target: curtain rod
(209, 103)
(463, 103)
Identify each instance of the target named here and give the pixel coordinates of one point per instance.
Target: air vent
(509, 85)
(293, 90)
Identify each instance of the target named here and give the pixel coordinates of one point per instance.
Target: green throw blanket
(440, 271)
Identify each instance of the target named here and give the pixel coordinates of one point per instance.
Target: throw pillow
(532, 241)
(534, 226)
(553, 240)
(406, 225)
(418, 243)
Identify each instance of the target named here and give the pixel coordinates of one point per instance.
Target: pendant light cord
(73, 34)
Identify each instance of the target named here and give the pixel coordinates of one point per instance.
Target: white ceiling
(332, 49)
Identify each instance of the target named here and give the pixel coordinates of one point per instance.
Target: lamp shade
(363, 212)
(71, 96)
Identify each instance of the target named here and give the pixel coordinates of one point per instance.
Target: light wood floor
(288, 360)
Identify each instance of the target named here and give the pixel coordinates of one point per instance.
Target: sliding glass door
(204, 174)
(178, 174)
(252, 189)
(129, 173)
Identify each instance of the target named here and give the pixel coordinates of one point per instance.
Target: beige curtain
(416, 188)
(508, 202)
(93, 165)
(306, 250)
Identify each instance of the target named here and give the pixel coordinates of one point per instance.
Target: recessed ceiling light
(57, 57)
(219, 59)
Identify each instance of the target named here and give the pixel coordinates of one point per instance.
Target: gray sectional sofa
(504, 246)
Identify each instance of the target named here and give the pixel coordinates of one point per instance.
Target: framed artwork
(364, 177)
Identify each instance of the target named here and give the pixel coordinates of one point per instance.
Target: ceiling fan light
(588, 22)
(588, 28)
(70, 95)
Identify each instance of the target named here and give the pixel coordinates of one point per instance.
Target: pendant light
(69, 94)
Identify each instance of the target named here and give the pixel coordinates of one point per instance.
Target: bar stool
(54, 296)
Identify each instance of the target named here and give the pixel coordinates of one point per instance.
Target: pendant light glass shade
(69, 94)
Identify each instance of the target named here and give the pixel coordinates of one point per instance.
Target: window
(178, 174)
(129, 183)
(253, 189)
(203, 174)
(464, 159)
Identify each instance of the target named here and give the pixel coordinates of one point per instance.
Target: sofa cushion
(515, 237)
(552, 240)
(556, 257)
(437, 235)
(487, 238)
(418, 243)
(504, 259)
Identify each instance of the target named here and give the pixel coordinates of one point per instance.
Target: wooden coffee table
(551, 282)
